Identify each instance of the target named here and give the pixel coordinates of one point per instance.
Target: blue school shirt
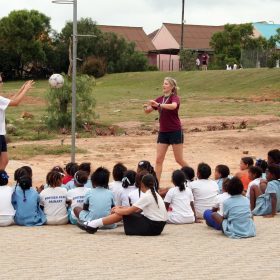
(100, 201)
(28, 212)
(238, 222)
(220, 184)
(88, 184)
(263, 202)
(69, 186)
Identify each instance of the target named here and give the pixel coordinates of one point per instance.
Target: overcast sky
(150, 14)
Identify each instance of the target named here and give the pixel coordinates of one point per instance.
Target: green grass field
(120, 97)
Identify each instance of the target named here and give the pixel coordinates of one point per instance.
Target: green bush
(60, 103)
(94, 66)
(187, 58)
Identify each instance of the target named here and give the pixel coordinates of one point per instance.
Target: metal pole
(74, 73)
(182, 25)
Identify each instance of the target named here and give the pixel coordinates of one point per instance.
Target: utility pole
(182, 30)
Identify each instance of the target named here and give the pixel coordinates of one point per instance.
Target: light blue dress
(100, 201)
(28, 211)
(69, 186)
(88, 184)
(238, 222)
(263, 202)
(220, 184)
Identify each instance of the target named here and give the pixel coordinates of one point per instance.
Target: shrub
(94, 66)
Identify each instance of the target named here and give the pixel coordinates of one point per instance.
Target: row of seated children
(186, 201)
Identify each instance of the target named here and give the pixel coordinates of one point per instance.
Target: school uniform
(76, 196)
(181, 211)
(134, 196)
(255, 182)
(219, 203)
(220, 184)
(28, 211)
(88, 184)
(263, 202)
(116, 188)
(152, 220)
(125, 193)
(100, 202)
(204, 193)
(54, 202)
(238, 222)
(70, 185)
(7, 211)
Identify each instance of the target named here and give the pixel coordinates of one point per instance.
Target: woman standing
(170, 128)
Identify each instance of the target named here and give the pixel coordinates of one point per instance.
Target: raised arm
(171, 106)
(21, 93)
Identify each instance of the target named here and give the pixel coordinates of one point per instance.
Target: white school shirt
(116, 188)
(150, 209)
(255, 182)
(134, 196)
(4, 102)
(125, 193)
(204, 193)
(6, 207)
(180, 203)
(220, 198)
(54, 202)
(77, 196)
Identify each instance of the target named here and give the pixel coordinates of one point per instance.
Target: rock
(26, 115)
(245, 152)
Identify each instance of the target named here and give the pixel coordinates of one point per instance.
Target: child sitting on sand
(204, 190)
(266, 201)
(221, 173)
(236, 221)
(243, 175)
(179, 200)
(255, 175)
(128, 184)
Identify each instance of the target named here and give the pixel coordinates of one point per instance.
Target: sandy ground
(181, 252)
(213, 147)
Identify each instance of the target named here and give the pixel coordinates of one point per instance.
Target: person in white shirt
(255, 175)
(116, 186)
(218, 207)
(134, 196)
(179, 201)
(7, 211)
(204, 190)
(4, 103)
(151, 222)
(128, 184)
(75, 196)
(53, 199)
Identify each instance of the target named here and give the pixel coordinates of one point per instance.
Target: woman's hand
(153, 103)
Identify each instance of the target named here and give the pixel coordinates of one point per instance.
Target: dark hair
(262, 164)
(28, 170)
(54, 178)
(71, 168)
(58, 169)
(274, 156)
(138, 179)
(4, 178)
(225, 184)
(118, 171)
(85, 166)
(274, 169)
(146, 165)
(80, 178)
(248, 161)
(20, 172)
(179, 179)
(256, 171)
(25, 182)
(203, 171)
(100, 177)
(189, 172)
(223, 170)
(235, 186)
(129, 178)
(149, 182)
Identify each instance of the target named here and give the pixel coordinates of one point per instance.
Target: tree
(60, 103)
(23, 35)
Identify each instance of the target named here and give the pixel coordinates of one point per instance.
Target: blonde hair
(173, 83)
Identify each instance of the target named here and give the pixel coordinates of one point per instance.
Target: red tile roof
(132, 34)
(195, 36)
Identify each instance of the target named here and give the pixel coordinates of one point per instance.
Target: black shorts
(138, 224)
(170, 138)
(3, 144)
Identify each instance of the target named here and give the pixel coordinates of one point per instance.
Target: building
(167, 42)
(134, 34)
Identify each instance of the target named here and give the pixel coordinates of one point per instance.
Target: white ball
(56, 81)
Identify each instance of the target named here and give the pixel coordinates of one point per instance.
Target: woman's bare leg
(161, 152)
(178, 154)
